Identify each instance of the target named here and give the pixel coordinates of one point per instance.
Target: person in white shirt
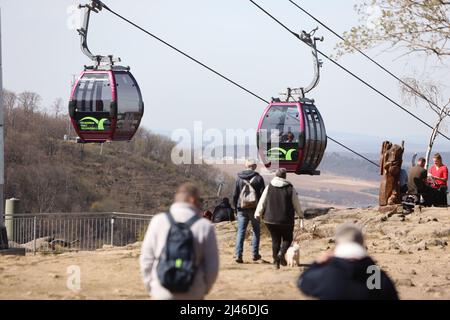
(187, 203)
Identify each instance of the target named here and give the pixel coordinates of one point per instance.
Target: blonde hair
(437, 156)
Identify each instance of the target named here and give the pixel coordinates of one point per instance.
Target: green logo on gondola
(91, 123)
(280, 154)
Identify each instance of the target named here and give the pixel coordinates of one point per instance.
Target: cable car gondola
(291, 133)
(106, 102)
(106, 105)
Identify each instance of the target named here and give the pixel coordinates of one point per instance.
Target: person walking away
(278, 205)
(439, 176)
(417, 183)
(348, 273)
(179, 257)
(223, 212)
(247, 192)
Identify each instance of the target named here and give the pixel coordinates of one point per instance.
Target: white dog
(293, 255)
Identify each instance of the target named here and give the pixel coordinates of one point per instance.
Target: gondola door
(129, 107)
(281, 136)
(90, 106)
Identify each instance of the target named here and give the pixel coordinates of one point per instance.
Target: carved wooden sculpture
(390, 166)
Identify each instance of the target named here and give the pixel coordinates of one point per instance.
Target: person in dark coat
(223, 212)
(417, 182)
(246, 216)
(348, 273)
(278, 206)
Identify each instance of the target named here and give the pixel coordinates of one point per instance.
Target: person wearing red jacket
(439, 177)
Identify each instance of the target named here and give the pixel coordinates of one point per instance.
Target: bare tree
(414, 25)
(29, 101)
(435, 103)
(410, 26)
(9, 103)
(57, 107)
(9, 100)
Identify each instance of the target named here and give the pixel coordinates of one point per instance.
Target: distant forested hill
(49, 174)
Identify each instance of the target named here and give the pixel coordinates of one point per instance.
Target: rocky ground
(413, 250)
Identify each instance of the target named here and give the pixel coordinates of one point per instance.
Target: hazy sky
(41, 53)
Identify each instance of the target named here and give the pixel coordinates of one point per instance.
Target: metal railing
(59, 232)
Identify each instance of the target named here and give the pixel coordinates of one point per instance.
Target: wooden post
(2, 150)
(4, 250)
(3, 235)
(11, 208)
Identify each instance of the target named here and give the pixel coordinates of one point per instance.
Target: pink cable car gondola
(106, 105)
(291, 134)
(106, 102)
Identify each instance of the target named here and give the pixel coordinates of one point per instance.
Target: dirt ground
(413, 250)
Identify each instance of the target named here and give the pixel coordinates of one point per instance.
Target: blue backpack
(177, 264)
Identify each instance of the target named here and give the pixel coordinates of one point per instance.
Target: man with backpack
(248, 190)
(179, 257)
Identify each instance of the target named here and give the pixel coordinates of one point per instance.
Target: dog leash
(299, 230)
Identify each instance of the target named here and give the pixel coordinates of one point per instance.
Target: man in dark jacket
(417, 182)
(223, 212)
(244, 216)
(348, 273)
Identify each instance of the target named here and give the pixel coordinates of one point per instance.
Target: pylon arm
(316, 61)
(311, 41)
(95, 6)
